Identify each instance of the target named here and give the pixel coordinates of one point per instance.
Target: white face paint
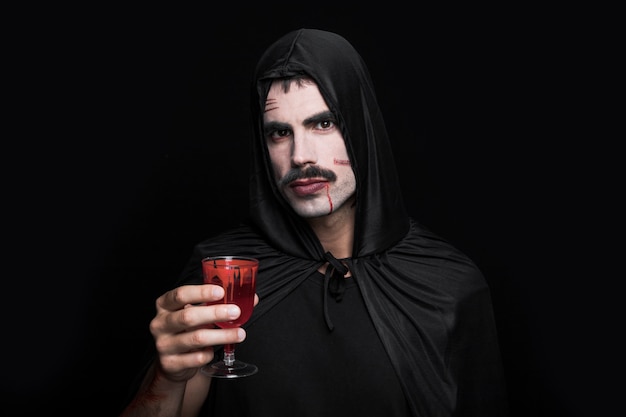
(302, 137)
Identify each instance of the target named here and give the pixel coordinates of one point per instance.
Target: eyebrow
(319, 117)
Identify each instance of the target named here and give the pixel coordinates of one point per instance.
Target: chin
(312, 212)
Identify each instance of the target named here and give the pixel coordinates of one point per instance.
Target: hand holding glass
(237, 275)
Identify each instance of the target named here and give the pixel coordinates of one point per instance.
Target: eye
(327, 124)
(282, 133)
(279, 134)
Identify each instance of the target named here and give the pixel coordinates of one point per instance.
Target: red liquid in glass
(238, 284)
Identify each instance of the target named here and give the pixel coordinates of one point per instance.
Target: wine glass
(237, 275)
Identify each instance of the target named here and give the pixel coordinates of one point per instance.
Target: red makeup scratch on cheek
(330, 200)
(341, 161)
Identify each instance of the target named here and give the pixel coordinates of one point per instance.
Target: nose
(303, 151)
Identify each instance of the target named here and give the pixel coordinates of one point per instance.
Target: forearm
(157, 397)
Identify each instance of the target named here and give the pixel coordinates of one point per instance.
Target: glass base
(237, 370)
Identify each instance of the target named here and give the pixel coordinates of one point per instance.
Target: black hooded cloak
(428, 302)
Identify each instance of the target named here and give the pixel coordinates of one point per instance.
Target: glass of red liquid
(237, 275)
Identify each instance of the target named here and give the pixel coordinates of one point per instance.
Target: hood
(344, 81)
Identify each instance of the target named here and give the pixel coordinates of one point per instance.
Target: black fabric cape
(429, 302)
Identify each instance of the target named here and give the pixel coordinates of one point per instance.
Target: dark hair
(298, 79)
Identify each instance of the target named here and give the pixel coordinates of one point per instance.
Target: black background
(131, 145)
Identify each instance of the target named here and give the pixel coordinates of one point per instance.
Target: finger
(178, 365)
(192, 317)
(201, 338)
(189, 294)
(198, 339)
(195, 353)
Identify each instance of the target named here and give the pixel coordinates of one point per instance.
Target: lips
(307, 187)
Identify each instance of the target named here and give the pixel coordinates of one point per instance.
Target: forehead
(297, 98)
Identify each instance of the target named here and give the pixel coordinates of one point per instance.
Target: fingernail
(218, 292)
(241, 333)
(233, 312)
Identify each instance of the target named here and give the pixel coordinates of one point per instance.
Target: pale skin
(300, 132)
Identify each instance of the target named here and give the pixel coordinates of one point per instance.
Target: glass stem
(229, 354)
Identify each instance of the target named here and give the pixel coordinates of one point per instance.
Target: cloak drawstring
(334, 283)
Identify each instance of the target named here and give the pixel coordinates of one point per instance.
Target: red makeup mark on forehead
(341, 161)
(270, 102)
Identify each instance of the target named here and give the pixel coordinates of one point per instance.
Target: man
(361, 311)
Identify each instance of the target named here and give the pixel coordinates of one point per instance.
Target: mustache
(312, 171)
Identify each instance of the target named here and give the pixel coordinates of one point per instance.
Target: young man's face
(308, 153)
